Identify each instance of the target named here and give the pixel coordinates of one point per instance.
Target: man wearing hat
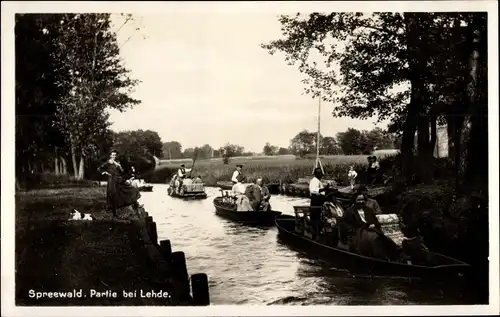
(369, 202)
(317, 191)
(181, 174)
(237, 176)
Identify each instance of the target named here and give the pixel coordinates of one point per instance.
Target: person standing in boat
(182, 173)
(237, 175)
(119, 192)
(317, 193)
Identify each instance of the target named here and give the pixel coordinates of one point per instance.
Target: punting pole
(318, 161)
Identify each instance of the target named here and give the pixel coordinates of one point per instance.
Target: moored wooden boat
(226, 185)
(274, 188)
(345, 192)
(301, 187)
(141, 185)
(146, 188)
(228, 210)
(443, 266)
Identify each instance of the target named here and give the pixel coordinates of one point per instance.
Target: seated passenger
(331, 215)
(369, 202)
(175, 183)
(265, 196)
(241, 200)
(365, 234)
(414, 250)
(197, 180)
(254, 194)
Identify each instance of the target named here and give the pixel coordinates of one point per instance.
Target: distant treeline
(350, 142)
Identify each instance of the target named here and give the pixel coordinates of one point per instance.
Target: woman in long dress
(242, 202)
(120, 193)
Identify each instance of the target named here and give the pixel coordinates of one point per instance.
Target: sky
(205, 79)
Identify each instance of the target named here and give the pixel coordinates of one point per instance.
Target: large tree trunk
(424, 149)
(73, 159)
(476, 175)
(56, 166)
(81, 168)
(456, 112)
(416, 114)
(450, 127)
(455, 122)
(64, 167)
(433, 140)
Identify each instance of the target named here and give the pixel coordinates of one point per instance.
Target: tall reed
(273, 170)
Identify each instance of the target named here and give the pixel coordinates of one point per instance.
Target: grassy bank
(50, 181)
(54, 254)
(272, 168)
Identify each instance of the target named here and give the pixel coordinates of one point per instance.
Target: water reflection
(250, 265)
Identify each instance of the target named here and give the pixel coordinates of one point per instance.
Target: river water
(248, 265)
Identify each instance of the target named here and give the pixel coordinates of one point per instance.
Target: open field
(273, 169)
(234, 160)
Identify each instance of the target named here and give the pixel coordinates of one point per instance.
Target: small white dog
(76, 215)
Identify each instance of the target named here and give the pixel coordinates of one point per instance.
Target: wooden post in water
(180, 273)
(153, 234)
(166, 249)
(199, 286)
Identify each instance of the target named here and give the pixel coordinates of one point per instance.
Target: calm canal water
(247, 265)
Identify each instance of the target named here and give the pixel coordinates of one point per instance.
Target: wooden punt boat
(443, 266)
(259, 218)
(189, 190)
(274, 188)
(142, 186)
(146, 188)
(301, 187)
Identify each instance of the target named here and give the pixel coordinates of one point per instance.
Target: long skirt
(243, 203)
(120, 194)
(265, 206)
(372, 243)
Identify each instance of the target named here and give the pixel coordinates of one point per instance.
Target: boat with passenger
(274, 188)
(189, 188)
(362, 242)
(246, 204)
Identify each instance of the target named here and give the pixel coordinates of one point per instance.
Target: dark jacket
(353, 219)
(254, 195)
